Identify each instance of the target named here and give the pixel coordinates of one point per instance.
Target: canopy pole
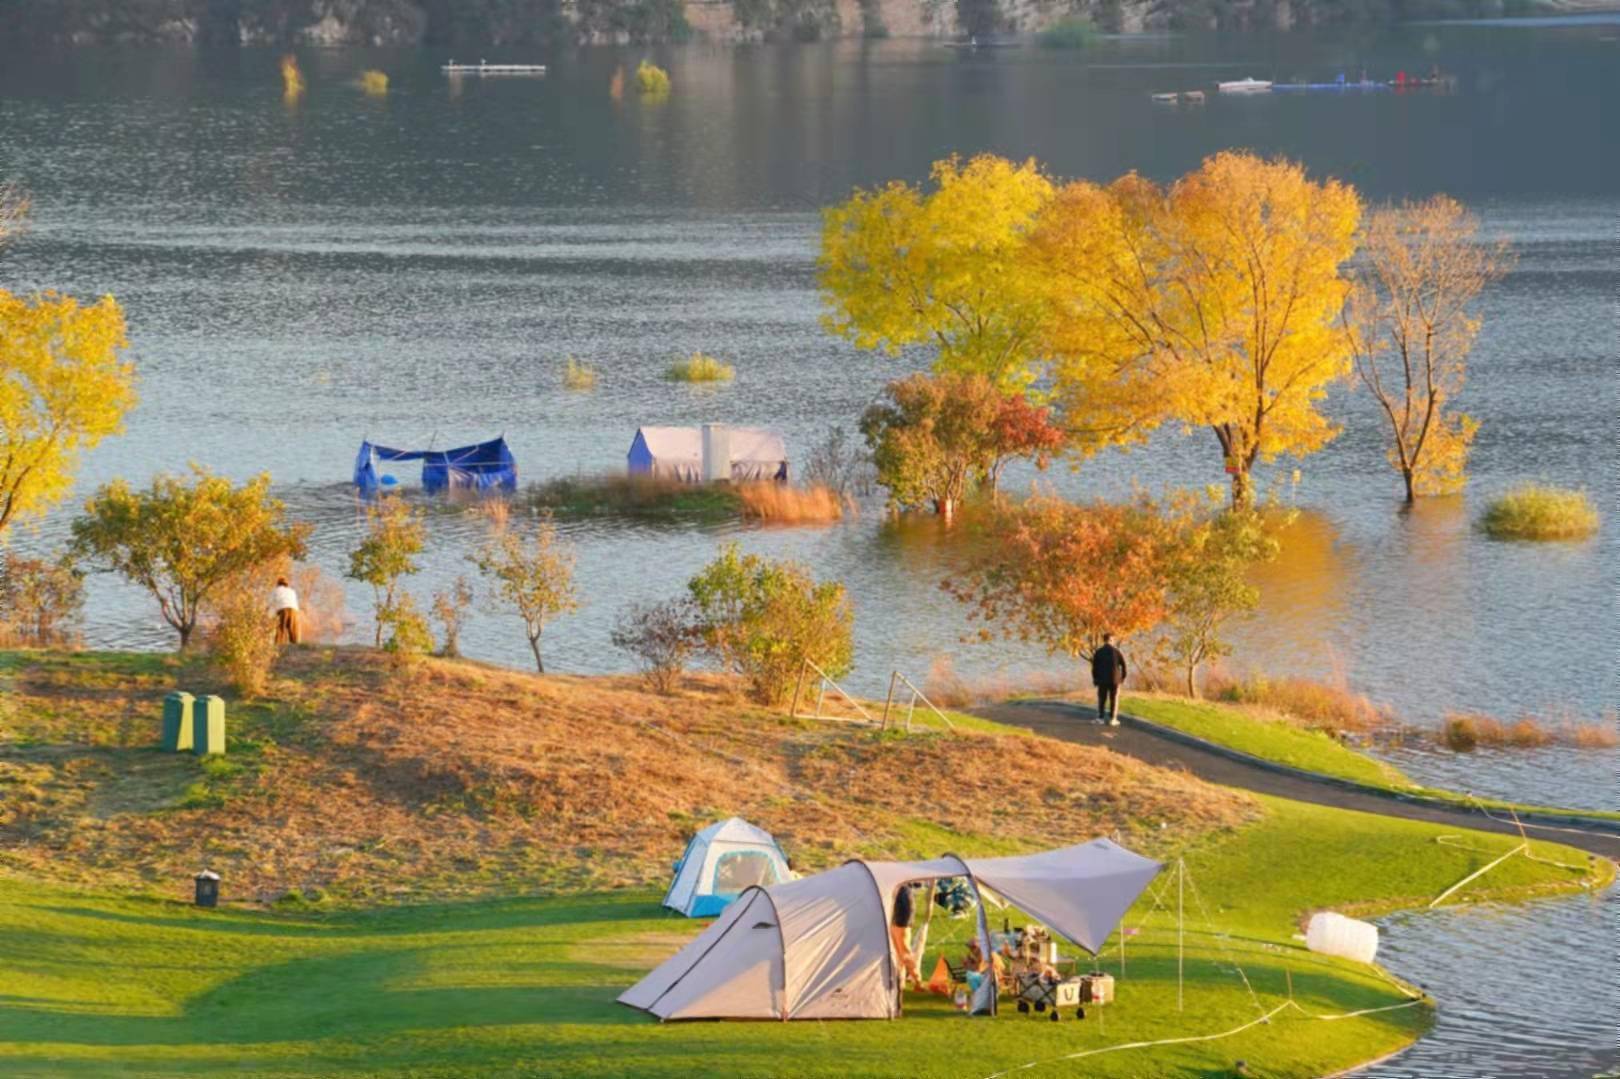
(1181, 943)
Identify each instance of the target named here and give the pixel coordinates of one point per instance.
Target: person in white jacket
(284, 601)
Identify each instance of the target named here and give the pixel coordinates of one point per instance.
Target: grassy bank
(526, 985)
(456, 874)
(1287, 740)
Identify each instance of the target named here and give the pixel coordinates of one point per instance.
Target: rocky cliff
(498, 22)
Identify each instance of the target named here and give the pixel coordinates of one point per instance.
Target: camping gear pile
(820, 948)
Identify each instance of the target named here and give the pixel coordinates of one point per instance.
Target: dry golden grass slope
(356, 781)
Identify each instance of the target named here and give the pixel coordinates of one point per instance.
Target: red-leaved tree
(1062, 574)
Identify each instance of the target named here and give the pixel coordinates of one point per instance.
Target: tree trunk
(1411, 491)
(945, 507)
(1192, 682)
(534, 646)
(185, 629)
(1242, 489)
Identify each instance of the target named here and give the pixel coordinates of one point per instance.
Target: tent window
(742, 869)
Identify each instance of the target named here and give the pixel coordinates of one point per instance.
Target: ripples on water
(415, 270)
(1526, 990)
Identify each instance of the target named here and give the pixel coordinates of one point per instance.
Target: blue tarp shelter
(472, 468)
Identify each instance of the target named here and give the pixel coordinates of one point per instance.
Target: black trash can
(207, 888)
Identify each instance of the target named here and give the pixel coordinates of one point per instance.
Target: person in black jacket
(1107, 674)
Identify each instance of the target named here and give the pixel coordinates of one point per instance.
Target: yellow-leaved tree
(1214, 303)
(1410, 327)
(902, 266)
(64, 386)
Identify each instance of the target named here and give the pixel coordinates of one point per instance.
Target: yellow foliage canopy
(64, 386)
(900, 267)
(1213, 303)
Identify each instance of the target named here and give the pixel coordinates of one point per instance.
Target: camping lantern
(207, 888)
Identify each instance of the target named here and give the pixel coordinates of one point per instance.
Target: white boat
(1245, 86)
(483, 68)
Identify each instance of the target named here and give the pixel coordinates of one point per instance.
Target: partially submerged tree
(1214, 304)
(937, 437)
(763, 619)
(533, 573)
(1410, 326)
(180, 540)
(1207, 581)
(901, 267)
(64, 386)
(1061, 574)
(41, 602)
(395, 535)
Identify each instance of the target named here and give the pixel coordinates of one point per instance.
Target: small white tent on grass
(819, 948)
(721, 862)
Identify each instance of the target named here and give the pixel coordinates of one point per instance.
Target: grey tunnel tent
(819, 947)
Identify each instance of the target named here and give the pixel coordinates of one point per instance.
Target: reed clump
(577, 375)
(374, 83)
(1537, 512)
(1320, 705)
(700, 367)
(948, 689)
(780, 503)
(1074, 32)
(1465, 731)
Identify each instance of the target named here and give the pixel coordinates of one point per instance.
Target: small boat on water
(1244, 86)
(1165, 99)
(1193, 97)
(984, 43)
(1336, 86)
(484, 68)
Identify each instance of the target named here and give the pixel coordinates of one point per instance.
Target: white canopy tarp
(819, 948)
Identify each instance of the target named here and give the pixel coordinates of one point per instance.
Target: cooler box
(1096, 988)
(177, 722)
(208, 725)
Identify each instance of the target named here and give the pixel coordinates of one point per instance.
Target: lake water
(415, 269)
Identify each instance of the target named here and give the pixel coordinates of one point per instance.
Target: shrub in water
(1070, 33)
(1534, 512)
(41, 602)
(699, 368)
(1460, 733)
(374, 83)
(652, 80)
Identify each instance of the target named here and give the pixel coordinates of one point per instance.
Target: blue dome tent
(720, 863)
(470, 468)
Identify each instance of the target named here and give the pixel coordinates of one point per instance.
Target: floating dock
(481, 68)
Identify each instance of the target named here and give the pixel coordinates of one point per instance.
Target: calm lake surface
(415, 270)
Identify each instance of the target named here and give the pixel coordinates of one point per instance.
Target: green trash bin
(208, 725)
(177, 722)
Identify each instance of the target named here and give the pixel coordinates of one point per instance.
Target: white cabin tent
(819, 947)
(721, 862)
(740, 454)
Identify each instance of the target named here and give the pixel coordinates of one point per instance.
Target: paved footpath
(1138, 738)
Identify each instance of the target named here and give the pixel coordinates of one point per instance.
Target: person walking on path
(1107, 674)
(284, 601)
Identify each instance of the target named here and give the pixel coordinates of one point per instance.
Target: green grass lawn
(1286, 743)
(97, 984)
(1270, 739)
